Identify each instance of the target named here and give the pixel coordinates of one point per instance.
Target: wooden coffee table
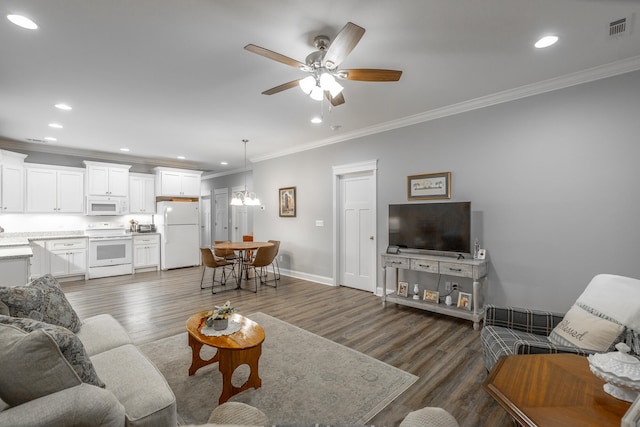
(553, 390)
(239, 348)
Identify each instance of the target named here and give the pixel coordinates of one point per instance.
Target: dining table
(243, 248)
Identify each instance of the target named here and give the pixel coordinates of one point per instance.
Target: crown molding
(591, 74)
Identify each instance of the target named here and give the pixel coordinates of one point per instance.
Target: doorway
(205, 219)
(221, 224)
(355, 225)
(239, 223)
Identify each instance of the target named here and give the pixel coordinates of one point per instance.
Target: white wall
(553, 179)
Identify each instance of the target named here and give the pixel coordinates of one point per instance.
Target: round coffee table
(239, 348)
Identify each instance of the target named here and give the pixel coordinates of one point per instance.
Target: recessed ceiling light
(546, 42)
(55, 125)
(316, 120)
(50, 138)
(63, 107)
(181, 157)
(124, 149)
(224, 163)
(23, 21)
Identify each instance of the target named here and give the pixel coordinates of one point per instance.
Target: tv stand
(470, 268)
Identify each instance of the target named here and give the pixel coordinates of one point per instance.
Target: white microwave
(106, 205)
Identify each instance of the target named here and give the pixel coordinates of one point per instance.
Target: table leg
(229, 362)
(196, 361)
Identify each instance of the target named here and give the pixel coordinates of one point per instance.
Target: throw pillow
(42, 299)
(585, 329)
(40, 359)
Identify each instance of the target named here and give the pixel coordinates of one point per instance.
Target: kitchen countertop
(23, 238)
(12, 252)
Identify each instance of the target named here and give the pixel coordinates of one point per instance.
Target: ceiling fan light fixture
(307, 84)
(317, 93)
(329, 83)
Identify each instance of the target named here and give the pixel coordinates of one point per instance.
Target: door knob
(371, 238)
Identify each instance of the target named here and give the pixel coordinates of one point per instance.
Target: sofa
(605, 314)
(58, 370)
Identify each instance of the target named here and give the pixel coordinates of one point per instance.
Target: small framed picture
(431, 296)
(482, 253)
(287, 201)
(464, 300)
(429, 186)
(403, 289)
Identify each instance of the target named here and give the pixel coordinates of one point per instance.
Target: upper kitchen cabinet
(54, 189)
(12, 178)
(142, 195)
(177, 182)
(107, 179)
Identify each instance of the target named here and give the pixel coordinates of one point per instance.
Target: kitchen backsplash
(21, 223)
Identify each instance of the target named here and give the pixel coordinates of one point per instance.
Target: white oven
(110, 250)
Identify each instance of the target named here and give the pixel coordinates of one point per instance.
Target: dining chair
(276, 243)
(263, 259)
(210, 261)
(225, 254)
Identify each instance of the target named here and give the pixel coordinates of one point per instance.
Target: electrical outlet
(447, 286)
(454, 286)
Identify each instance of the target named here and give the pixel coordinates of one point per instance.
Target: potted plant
(219, 316)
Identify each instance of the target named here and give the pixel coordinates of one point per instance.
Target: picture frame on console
(432, 186)
(464, 300)
(287, 201)
(403, 289)
(431, 296)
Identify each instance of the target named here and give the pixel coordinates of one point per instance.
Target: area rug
(305, 378)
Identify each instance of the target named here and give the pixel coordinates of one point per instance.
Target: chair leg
(204, 269)
(278, 267)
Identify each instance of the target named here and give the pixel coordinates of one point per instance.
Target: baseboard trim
(306, 276)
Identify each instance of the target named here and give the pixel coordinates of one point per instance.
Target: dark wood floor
(443, 352)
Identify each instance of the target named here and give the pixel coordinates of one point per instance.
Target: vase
(220, 324)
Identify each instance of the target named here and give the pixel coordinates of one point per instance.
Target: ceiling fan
(323, 66)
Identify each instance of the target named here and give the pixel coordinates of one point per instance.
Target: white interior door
(357, 231)
(239, 224)
(205, 220)
(221, 230)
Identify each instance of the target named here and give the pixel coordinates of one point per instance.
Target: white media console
(473, 269)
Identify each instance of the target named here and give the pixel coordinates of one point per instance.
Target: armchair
(607, 311)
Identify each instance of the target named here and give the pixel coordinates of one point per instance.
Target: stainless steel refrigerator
(178, 222)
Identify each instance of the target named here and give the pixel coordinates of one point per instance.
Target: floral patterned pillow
(39, 358)
(42, 299)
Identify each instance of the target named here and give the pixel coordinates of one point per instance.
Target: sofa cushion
(584, 328)
(39, 359)
(42, 299)
(101, 333)
(138, 385)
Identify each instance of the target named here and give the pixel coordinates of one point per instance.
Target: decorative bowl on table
(620, 370)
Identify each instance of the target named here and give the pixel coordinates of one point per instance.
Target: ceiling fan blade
(342, 45)
(370, 75)
(282, 87)
(335, 100)
(275, 56)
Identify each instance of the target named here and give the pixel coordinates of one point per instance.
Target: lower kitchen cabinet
(60, 257)
(146, 251)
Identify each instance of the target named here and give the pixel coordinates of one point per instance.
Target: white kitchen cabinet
(107, 179)
(146, 251)
(55, 189)
(40, 258)
(142, 195)
(14, 265)
(177, 182)
(67, 257)
(12, 178)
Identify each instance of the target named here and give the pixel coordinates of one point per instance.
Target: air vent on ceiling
(618, 28)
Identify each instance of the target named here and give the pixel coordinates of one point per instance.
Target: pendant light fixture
(245, 198)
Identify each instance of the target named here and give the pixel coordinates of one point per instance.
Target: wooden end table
(553, 390)
(239, 348)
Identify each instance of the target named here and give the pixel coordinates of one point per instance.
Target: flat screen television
(444, 227)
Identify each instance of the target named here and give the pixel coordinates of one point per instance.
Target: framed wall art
(287, 201)
(430, 186)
